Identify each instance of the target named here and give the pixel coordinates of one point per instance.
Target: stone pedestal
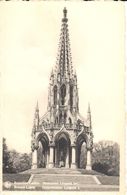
(34, 159)
(51, 157)
(73, 164)
(88, 165)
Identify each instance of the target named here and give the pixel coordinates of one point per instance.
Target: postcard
(63, 121)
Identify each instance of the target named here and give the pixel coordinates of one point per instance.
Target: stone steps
(53, 171)
(63, 179)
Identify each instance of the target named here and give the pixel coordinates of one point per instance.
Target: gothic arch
(62, 134)
(44, 137)
(56, 120)
(55, 95)
(81, 140)
(70, 121)
(71, 96)
(43, 142)
(63, 94)
(62, 151)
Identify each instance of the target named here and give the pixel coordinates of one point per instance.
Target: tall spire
(63, 92)
(37, 108)
(89, 116)
(36, 116)
(64, 59)
(89, 111)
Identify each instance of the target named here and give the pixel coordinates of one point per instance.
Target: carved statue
(51, 135)
(89, 141)
(34, 144)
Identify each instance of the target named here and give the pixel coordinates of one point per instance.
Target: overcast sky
(29, 36)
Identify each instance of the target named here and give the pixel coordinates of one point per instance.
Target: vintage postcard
(62, 71)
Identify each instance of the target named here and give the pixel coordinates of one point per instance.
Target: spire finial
(37, 108)
(89, 116)
(65, 15)
(89, 108)
(65, 12)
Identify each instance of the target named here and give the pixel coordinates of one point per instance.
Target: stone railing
(58, 126)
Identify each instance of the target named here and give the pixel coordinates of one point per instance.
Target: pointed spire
(52, 72)
(64, 59)
(37, 107)
(89, 111)
(89, 116)
(36, 117)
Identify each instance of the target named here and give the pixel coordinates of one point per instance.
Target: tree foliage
(105, 157)
(21, 162)
(7, 165)
(14, 162)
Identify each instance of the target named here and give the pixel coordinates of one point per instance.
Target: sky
(29, 37)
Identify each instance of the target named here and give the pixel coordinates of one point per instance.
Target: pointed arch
(42, 152)
(62, 134)
(60, 118)
(55, 95)
(63, 152)
(70, 121)
(71, 96)
(81, 140)
(63, 94)
(43, 137)
(56, 120)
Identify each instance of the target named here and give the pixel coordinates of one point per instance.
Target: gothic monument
(57, 136)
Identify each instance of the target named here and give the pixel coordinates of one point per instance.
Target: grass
(108, 180)
(16, 177)
(89, 172)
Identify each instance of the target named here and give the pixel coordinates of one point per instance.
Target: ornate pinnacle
(65, 15)
(89, 116)
(65, 12)
(89, 108)
(64, 59)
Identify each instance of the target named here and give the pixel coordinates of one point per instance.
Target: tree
(14, 162)
(25, 161)
(21, 162)
(7, 165)
(105, 157)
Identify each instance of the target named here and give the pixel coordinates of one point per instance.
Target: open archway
(81, 151)
(42, 153)
(62, 150)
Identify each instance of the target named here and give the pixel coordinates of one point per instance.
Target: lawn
(108, 180)
(16, 177)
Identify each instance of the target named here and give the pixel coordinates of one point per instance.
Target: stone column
(88, 164)
(56, 157)
(47, 165)
(34, 159)
(51, 157)
(67, 159)
(46, 159)
(73, 163)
